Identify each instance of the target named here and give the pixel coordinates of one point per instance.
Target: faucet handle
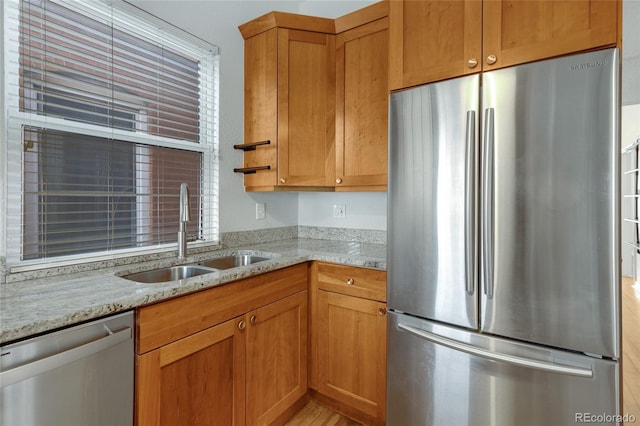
(185, 211)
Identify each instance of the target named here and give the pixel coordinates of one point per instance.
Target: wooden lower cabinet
(351, 351)
(348, 340)
(276, 358)
(198, 380)
(247, 368)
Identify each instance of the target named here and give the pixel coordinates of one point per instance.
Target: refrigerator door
(440, 375)
(550, 204)
(432, 201)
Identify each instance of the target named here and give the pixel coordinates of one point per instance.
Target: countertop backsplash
(228, 240)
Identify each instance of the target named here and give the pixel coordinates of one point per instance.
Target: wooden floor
(314, 414)
(630, 348)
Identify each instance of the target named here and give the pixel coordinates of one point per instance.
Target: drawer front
(353, 281)
(171, 320)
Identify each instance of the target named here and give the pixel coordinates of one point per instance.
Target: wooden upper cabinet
(522, 31)
(362, 93)
(433, 40)
(440, 39)
(289, 100)
(261, 106)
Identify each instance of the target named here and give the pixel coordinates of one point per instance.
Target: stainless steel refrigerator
(503, 247)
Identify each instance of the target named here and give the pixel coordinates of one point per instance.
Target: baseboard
(345, 410)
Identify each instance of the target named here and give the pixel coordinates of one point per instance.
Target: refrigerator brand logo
(588, 65)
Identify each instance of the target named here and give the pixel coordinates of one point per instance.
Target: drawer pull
(350, 281)
(253, 320)
(242, 325)
(382, 311)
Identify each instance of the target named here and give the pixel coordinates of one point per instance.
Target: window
(107, 113)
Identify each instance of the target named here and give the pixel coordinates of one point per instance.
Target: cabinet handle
(242, 325)
(283, 180)
(253, 320)
(473, 62)
(382, 311)
(350, 281)
(491, 59)
(339, 180)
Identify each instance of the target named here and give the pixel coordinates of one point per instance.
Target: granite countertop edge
(37, 306)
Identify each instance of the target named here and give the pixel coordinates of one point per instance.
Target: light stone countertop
(39, 305)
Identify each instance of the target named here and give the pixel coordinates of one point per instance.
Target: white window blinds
(108, 114)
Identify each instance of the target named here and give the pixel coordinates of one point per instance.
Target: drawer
(353, 281)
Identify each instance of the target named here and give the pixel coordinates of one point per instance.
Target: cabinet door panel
(524, 31)
(362, 114)
(194, 381)
(306, 108)
(276, 358)
(351, 351)
(433, 40)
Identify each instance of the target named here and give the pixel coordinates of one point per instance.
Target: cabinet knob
(242, 325)
(283, 180)
(339, 180)
(473, 62)
(350, 281)
(491, 59)
(253, 320)
(382, 311)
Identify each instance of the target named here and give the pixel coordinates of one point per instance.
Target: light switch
(261, 211)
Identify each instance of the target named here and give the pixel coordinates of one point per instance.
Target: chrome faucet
(185, 216)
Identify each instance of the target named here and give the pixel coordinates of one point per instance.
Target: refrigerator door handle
(487, 200)
(499, 357)
(470, 191)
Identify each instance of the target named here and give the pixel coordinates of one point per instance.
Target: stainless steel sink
(227, 262)
(172, 273)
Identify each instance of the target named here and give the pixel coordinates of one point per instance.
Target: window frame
(14, 120)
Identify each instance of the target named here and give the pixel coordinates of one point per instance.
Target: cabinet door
(352, 351)
(276, 358)
(261, 106)
(433, 40)
(198, 380)
(523, 31)
(306, 108)
(362, 107)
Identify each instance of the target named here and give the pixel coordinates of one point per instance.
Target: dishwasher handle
(34, 368)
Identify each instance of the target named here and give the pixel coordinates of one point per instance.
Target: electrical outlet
(261, 211)
(339, 211)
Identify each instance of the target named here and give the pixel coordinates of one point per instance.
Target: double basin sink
(173, 273)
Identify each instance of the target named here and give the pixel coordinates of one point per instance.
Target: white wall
(631, 52)
(217, 22)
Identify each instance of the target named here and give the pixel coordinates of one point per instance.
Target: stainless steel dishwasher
(82, 375)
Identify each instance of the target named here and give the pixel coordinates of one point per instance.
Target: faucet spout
(185, 216)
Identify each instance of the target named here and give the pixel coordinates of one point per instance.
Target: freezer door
(431, 247)
(441, 375)
(550, 204)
